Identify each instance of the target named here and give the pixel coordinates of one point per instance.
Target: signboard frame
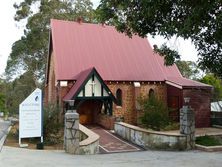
(31, 116)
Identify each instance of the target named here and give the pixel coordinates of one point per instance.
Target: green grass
(208, 141)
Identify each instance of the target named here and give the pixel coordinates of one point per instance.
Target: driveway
(35, 158)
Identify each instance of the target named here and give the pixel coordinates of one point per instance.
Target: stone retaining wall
(90, 144)
(150, 139)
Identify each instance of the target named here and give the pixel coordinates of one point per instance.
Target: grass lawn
(208, 141)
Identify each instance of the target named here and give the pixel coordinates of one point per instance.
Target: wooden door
(173, 104)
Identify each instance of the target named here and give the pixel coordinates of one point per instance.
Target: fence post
(71, 136)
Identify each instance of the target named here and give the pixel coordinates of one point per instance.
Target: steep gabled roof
(117, 57)
(78, 46)
(81, 80)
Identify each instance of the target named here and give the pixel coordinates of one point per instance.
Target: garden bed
(209, 143)
(13, 141)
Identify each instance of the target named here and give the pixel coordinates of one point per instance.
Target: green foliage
(51, 124)
(27, 60)
(172, 126)
(200, 21)
(2, 97)
(188, 69)
(30, 52)
(216, 83)
(16, 91)
(156, 114)
(169, 55)
(2, 103)
(208, 141)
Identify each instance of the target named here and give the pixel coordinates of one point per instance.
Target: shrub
(172, 126)
(51, 124)
(156, 114)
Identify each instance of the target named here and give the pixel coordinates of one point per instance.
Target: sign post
(30, 116)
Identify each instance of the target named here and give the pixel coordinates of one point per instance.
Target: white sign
(30, 116)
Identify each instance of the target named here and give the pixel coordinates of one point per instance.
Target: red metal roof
(184, 82)
(80, 78)
(78, 46)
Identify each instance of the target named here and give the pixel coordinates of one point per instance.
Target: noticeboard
(30, 116)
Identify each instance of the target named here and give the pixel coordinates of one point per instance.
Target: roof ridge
(82, 23)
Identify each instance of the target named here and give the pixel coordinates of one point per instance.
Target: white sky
(11, 32)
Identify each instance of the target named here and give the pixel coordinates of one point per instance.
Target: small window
(151, 93)
(119, 97)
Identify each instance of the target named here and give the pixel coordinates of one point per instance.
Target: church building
(105, 72)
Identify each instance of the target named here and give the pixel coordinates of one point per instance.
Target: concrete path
(109, 143)
(19, 157)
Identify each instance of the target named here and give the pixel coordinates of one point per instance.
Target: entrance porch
(93, 100)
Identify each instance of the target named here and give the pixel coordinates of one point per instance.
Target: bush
(156, 114)
(172, 126)
(51, 124)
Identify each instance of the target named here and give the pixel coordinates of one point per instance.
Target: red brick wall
(128, 109)
(50, 88)
(200, 102)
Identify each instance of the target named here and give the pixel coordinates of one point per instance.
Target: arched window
(119, 97)
(151, 93)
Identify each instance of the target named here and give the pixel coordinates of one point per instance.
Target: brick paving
(109, 143)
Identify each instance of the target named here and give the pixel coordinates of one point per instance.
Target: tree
(27, 60)
(17, 91)
(188, 69)
(217, 85)
(2, 96)
(201, 21)
(30, 52)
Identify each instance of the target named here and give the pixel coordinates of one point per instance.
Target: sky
(11, 31)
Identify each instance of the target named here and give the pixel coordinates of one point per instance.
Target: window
(119, 97)
(151, 93)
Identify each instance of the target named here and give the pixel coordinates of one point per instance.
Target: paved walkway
(19, 157)
(109, 143)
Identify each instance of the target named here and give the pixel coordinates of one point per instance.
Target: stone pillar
(187, 125)
(71, 136)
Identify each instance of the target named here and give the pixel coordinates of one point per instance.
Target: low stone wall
(105, 121)
(151, 139)
(209, 148)
(90, 142)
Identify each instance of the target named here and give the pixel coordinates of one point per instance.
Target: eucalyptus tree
(25, 68)
(30, 52)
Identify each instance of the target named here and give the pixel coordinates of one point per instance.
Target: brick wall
(55, 94)
(129, 92)
(200, 102)
(50, 89)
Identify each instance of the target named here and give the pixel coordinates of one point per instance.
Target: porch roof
(181, 82)
(81, 80)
